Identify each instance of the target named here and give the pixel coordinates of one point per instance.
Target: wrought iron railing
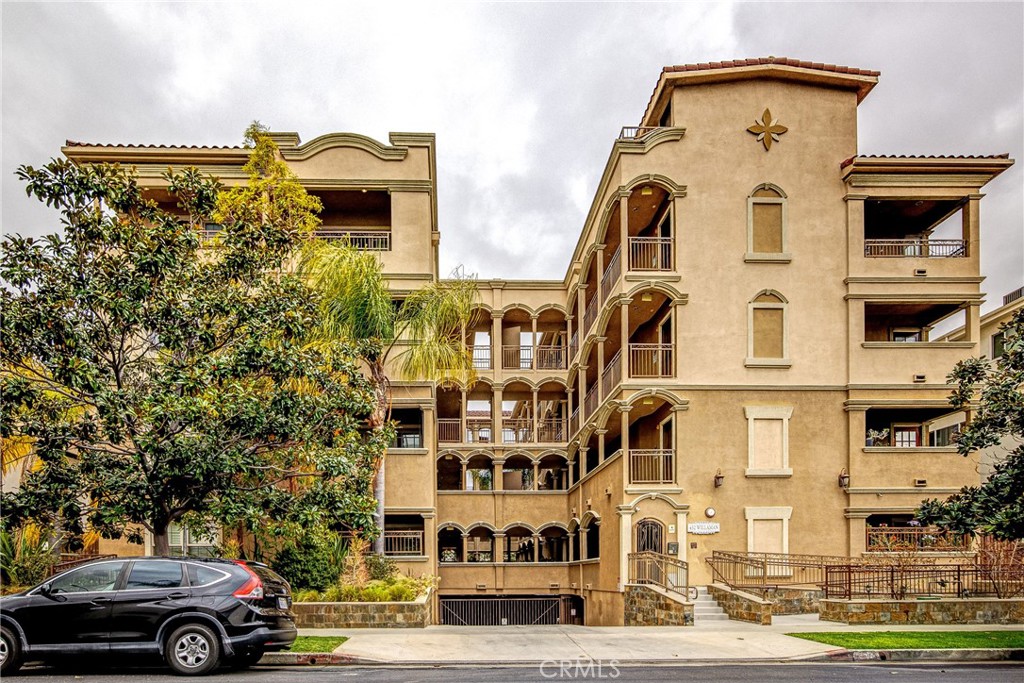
(517, 430)
(902, 539)
(550, 357)
(651, 360)
(449, 430)
(574, 344)
(399, 543)
(635, 132)
(481, 356)
(650, 253)
(590, 402)
(1013, 296)
(915, 248)
(651, 466)
(551, 430)
(517, 357)
(611, 275)
(762, 571)
(665, 571)
(612, 375)
(478, 430)
(899, 581)
(574, 420)
(590, 314)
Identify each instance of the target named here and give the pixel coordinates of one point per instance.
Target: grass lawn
(316, 643)
(917, 640)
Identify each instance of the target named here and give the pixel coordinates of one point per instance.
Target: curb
(956, 655)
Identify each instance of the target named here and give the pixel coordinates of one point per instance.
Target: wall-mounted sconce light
(719, 479)
(646, 296)
(646, 191)
(844, 479)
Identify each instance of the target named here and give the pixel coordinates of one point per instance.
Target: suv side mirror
(47, 591)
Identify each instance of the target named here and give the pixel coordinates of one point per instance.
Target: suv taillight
(252, 589)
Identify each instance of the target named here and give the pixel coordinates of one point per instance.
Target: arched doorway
(650, 536)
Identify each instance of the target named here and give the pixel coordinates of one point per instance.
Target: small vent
(920, 482)
(554, 585)
(572, 585)
(920, 379)
(920, 272)
(481, 586)
(588, 586)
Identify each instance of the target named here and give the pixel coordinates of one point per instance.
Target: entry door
(650, 536)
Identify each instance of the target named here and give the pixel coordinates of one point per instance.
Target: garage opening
(510, 610)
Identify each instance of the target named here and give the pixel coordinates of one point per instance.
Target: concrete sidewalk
(713, 641)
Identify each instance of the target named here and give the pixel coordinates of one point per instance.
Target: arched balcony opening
(575, 534)
(520, 545)
(403, 535)
(517, 410)
(465, 416)
(649, 443)
(517, 473)
(554, 544)
(593, 456)
(552, 473)
(478, 339)
(518, 339)
(552, 340)
(479, 474)
(449, 473)
(552, 413)
(449, 545)
(574, 468)
(651, 331)
(480, 545)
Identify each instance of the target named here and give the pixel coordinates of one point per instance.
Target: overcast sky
(525, 99)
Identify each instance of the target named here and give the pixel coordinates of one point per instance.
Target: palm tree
(423, 336)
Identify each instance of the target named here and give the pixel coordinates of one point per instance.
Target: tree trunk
(378, 493)
(161, 541)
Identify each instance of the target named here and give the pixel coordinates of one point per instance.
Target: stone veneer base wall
(794, 600)
(943, 611)
(414, 614)
(742, 606)
(645, 606)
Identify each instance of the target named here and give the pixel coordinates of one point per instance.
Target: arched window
(766, 224)
(766, 337)
(592, 543)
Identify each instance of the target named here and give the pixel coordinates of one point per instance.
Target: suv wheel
(192, 650)
(10, 652)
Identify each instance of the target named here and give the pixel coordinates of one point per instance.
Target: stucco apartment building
(737, 358)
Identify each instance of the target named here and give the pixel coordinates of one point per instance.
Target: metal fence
(506, 610)
(915, 248)
(398, 543)
(650, 253)
(651, 466)
(898, 581)
(361, 240)
(763, 571)
(670, 573)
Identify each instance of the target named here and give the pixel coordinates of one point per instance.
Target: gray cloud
(526, 99)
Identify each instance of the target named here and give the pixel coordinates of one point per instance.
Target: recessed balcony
(651, 466)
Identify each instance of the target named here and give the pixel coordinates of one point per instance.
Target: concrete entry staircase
(706, 608)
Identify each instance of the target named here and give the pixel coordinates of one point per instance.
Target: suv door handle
(100, 601)
(177, 595)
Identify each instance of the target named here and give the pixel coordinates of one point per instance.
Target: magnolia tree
(158, 379)
(996, 507)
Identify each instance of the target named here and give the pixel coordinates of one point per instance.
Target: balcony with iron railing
(550, 357)
(611, 274)
(574, 344)
(574, 420)
(612, 375)
(478, 430)
(636, 132)
(517, 357)
(650, 253)
(403, 543)
(915, 248)
(590, 314)
(357, 239)
(651, 360)
(590, 402)
(517, 430)
(651, 466)
(913, 539)
(481, 356)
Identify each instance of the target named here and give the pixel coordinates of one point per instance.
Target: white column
(625, 545)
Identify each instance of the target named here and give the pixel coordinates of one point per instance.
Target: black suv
(191, 611)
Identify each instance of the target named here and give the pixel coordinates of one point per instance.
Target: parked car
(194, 612)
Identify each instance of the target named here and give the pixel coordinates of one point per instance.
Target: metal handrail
(650, 253)
(664, 571)
(611, 274)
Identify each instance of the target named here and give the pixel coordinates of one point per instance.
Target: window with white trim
(768, 441)
(767, 330)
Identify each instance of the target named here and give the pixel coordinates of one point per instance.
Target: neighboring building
(748, 302)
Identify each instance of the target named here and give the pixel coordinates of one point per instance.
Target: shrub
(381, 567)
(306, 563)
(25, 556)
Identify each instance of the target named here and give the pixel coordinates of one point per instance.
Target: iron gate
(511, 610)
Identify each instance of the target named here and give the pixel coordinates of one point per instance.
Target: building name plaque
(702, 528)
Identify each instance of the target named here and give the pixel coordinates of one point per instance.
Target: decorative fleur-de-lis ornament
(767, 129)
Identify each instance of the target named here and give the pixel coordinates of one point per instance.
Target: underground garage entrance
(510, 610)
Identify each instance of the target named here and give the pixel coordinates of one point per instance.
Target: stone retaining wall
(794, 600)
(742, 606)
(646, 606)
(944, 611)
(414, 614)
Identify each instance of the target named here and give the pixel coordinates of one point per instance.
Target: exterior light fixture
(646, 191)
(719, 479)
(844, 479)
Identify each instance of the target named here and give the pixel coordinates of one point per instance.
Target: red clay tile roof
(75, 143)
(781, 61)
(849, 161)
